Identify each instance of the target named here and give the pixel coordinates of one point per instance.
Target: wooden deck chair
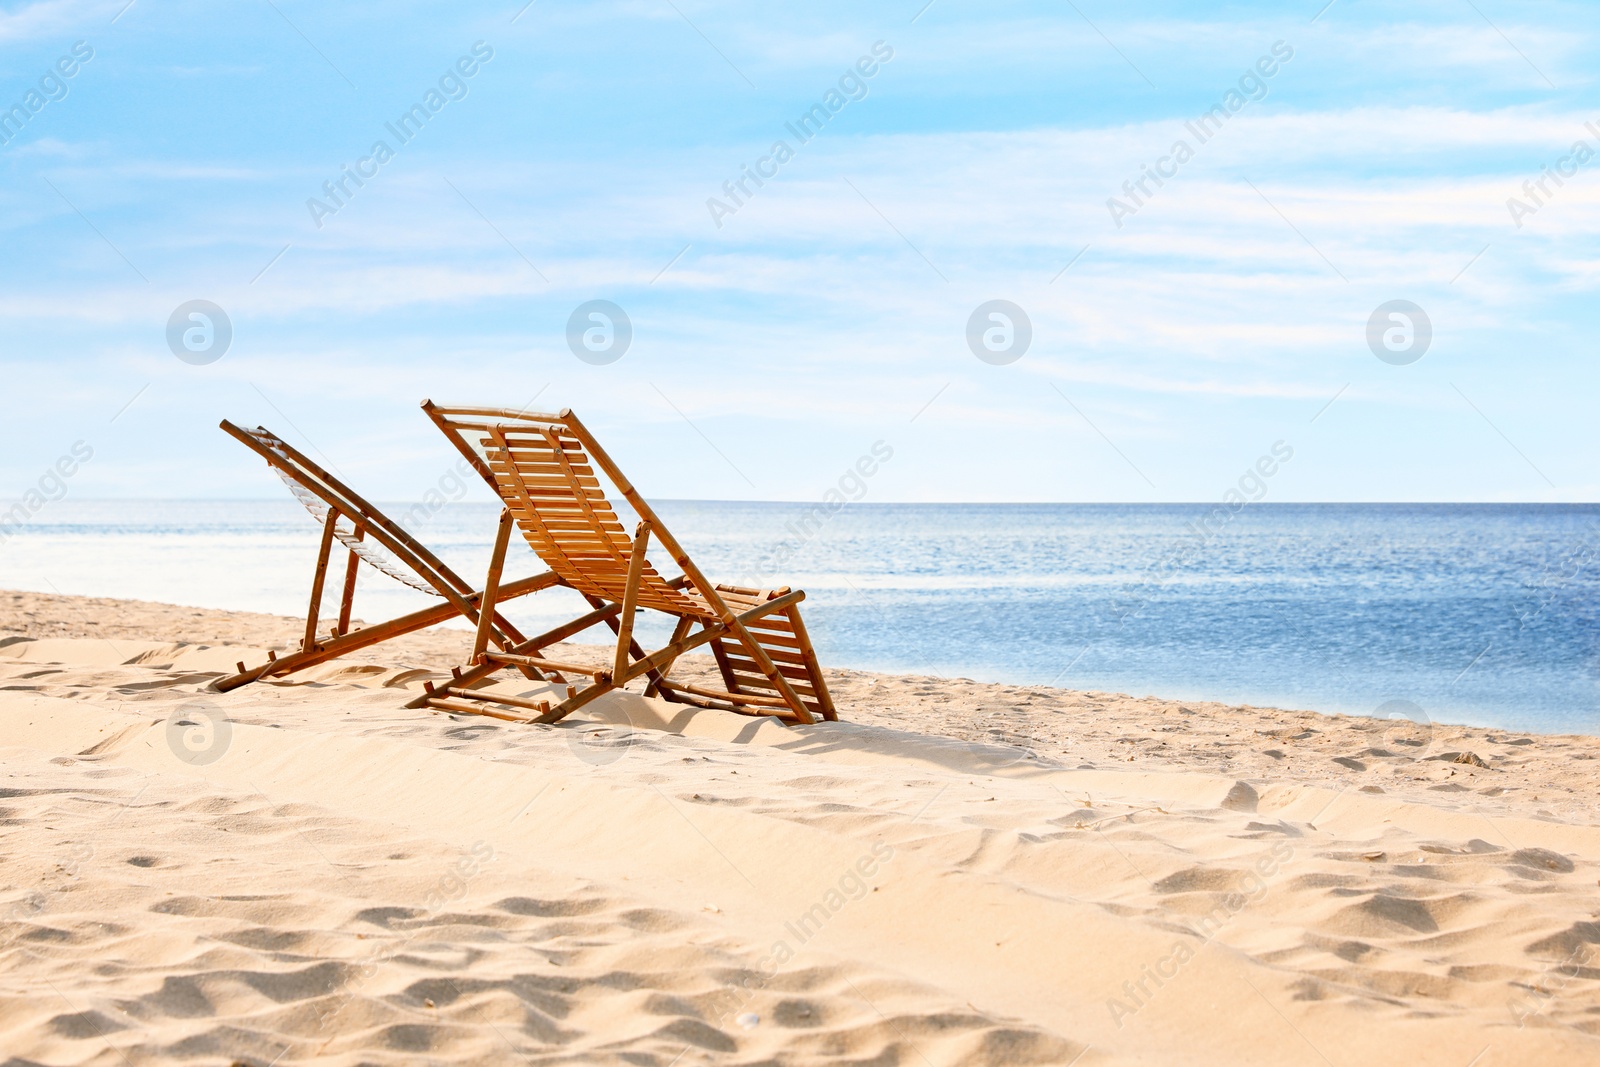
(544, 468)
(372, 538)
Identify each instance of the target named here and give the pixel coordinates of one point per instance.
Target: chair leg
(315, 608)
(630, 598)
(491, 588)
(809, 654)
(374, 634)
(634, 649)
(347, 601)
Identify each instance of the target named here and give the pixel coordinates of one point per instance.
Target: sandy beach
(957, 873)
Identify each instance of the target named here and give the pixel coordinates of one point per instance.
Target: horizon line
(886, 503)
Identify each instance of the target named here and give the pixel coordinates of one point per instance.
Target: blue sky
(829, 311)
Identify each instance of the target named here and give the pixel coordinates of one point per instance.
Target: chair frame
(723, 625)
(460, 599)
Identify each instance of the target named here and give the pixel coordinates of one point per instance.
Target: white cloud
(46, 18)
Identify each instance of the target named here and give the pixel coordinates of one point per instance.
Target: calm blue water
(1478, 613)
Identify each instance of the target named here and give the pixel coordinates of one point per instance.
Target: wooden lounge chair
(375, 539)
(544, 468)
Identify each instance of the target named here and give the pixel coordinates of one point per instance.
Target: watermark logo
(1399, 332)
(1404, 727)
(599, 332)
(601, 744)
(1007, 741)
(999, 332)
(199, 733)
(199, 332)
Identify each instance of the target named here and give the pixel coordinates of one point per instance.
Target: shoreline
(1144, 731)
(198, 624)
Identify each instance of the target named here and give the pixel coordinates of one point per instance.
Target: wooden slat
(546, 470)
(790, 656)
(737, 698)
(792, 674)
(583, 501)
(750, 680)
(745, 666)
(761, 681)
(555, 488)
(776, 624)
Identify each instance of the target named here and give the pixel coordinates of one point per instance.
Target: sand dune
(306, 872)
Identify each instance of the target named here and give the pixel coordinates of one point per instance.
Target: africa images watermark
(1554, 580)
(1252, 86)
(37, 901)
(1565, 167)
(450, 888)
(450, 487)
(50, 486)
(851, 486)
(1556, 981)
(1137, 993)
(452, 85)
(52, 86)
(852, 85)
(854, 884)
(1250, 488)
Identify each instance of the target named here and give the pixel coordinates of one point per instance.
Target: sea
(1484, 614)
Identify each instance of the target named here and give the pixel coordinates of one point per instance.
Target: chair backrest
(544, 468)
(361, 527)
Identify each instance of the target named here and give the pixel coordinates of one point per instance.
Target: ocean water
(1485, 614)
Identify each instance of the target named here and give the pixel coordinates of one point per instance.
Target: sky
(1357, 154)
